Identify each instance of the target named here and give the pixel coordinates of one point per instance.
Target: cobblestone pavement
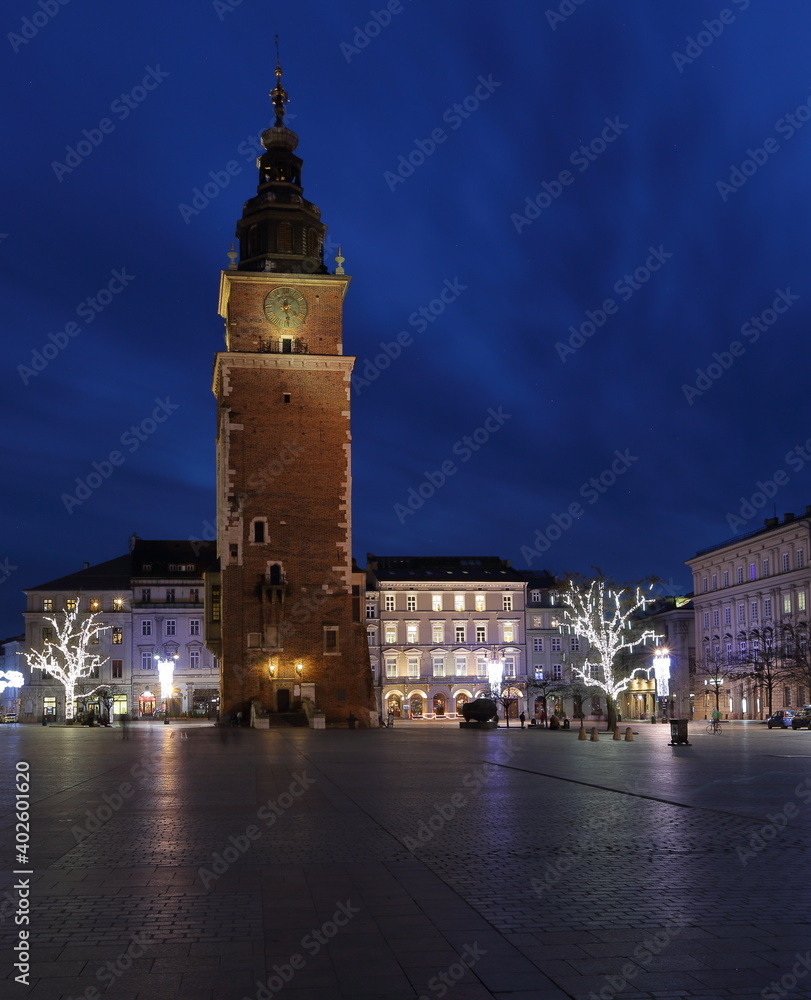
(220, 864)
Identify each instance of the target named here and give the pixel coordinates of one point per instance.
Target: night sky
(588, 225)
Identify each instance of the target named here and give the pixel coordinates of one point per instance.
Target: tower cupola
(280, 231)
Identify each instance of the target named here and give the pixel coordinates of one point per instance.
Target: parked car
(10, 717)
(802, 719)
(781, 719)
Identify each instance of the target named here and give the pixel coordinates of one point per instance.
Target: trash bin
(351, 720)
(678, 733)
(44, 719)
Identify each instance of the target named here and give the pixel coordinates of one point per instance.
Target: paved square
(420, 861)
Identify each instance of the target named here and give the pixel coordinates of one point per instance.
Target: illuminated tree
(67, 658)
(608, 620)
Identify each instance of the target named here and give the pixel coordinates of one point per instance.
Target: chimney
(787, 518)
(771, 522)
(86, 565)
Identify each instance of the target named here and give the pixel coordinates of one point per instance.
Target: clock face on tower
(285, 307)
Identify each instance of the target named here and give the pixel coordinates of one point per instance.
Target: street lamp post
(166, 670)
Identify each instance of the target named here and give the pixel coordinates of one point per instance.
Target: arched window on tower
(284, 238)
(253, 240)
(313, 243)
(275, 574)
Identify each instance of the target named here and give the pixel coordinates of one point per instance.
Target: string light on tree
(608, 620)
(67, 658)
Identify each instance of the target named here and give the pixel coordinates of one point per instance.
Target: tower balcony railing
(283, 345)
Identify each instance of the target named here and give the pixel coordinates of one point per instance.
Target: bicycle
(714, 727)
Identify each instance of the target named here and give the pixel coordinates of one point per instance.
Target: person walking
(522, 718)
(390, 719)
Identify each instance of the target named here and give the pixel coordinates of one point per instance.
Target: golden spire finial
(279, 95)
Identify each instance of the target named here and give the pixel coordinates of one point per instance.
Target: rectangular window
(538, 672)
(388, 602)
(506, 602)
(727, 616)
(94, 639)
(715, 618)
(461, 666)
(481, 633)
(170, 626)
(765, 567)
(118, 636)
(458, 602)
(439, 666)
(331, 639)
(480, 602)
(741, 614)
(391, 666)
(459, 632)
(726, 578)
(194, 626)
(767, 608)
(170, 595)
(258, 532)
(94, 672)
(509, 632)
(739, 574)
(787, 697)
(801, 601)
(436, 602)
(47, 604)
(800, 559)
(537, 644)
(437, 633)
(390, 629)
(413, 666)
(71, 604)
(370, 610)
(704, 585)
(509, 666)
(371, 635)
(753, 612)
(95, 604)
(118, 669)
(706, 619)
(216, 603)
(786, 604)
(481, 666)
(555, 644)
(411, 602)
(146, 661)
(194, 659)
(194, 595)
(412, 632)
(146, 627)
(752, 571)
(714, 580)
(785, 562)
(557, 671)
(118, 604)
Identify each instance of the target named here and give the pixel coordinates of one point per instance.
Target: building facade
(288, 620)
(434, 624)
(149, 603)
(746, 590)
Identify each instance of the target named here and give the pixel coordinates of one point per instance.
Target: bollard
(629, 735)
(581, 733)
(595, 736)
(617, 733)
